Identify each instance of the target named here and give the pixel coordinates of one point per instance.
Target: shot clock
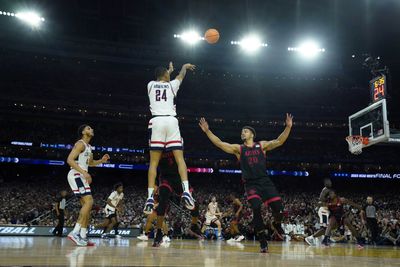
(378, 88)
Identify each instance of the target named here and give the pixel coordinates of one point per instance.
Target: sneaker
(360, 243)
(263, 242)
(143, 237)
(221, 238)
(88, 242)
(239, 238)
(118, 237)
(231, 240)
(166, 239)
(326, 242)
(158, 240)
(310, 240)
(76, 239)
(148, 206)
(188, 200)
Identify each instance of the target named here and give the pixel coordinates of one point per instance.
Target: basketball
(211, 36)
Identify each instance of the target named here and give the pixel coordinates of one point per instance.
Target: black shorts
(265, 192)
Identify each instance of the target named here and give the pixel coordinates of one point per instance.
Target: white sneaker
(231, 240)
(239, 238)
(166, 239)
(76, 239)
(143, 237)
(118, 236)
(310, 240)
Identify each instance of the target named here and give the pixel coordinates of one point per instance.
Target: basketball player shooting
(79, 180)
(258, 186)
(164, 130)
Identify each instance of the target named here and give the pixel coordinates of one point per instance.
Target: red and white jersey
(84, 156)
(161, 96)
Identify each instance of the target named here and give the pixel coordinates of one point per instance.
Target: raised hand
(204, 125)
(189, 66)
(289, 120)
(171, 67)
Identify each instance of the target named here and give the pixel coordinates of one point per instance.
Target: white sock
(83, 232)
(150, 192)
(185, 186)
(76, 228)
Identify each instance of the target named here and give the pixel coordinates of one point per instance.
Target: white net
(355, 144)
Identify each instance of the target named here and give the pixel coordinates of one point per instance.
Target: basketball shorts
(110, 213)
(266, 192)
(78, 184)
(164, 134)
(323, 214)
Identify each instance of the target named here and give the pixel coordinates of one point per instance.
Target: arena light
(308, 49)
(191, 37)
(250, 43)
(31, 18)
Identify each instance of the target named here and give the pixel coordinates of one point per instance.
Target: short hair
(117, 185)
(80, 130)
(251, 129)
(159, 72)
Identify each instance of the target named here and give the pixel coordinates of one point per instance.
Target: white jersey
(84, 157)
(115, 199)
(161, 97)
(212, 209)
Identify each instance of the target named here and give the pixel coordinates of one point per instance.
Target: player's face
(120, 189)
(328, 183)
(246, 135)
(213, 199)
(369, 200)
(89, 131)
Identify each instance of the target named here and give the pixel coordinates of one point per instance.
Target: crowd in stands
(33, 203)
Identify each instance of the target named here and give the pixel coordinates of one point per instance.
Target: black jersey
(253, 163)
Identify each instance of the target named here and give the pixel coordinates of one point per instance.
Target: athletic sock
(76, 228)
(150, 192)
(83, 232)
(185, 186)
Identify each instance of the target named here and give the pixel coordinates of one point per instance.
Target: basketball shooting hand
(171, 68)
(105, 158)
(289, 120)
(204, 125)
(189, 66)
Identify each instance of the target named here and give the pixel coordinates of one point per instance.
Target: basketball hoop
(356, 143)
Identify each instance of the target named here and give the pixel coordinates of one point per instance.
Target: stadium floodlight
(250, 44)
(191, 37)
(31, 18)
(308, 49)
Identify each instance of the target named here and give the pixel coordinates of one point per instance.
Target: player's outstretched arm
(226, 147)
(93, 162)
(171, 68)
(270, 145)
(182, 73)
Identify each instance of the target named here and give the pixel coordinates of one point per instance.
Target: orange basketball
(211, 36)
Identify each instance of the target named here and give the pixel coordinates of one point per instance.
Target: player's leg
(354, 232)
(194, 227)
(174, 143)
(85, 210)
(219, 227)
(332, 225)
(157, 136)
(163, 197)
(271, 198)
(259, 228)
(112, 223)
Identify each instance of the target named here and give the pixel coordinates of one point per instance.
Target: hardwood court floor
(51, 251)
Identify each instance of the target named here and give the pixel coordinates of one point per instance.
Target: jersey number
(160, 96)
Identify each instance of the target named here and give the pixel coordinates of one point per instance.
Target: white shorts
(164, 134)
(323, 214)
(78, 184)
(210, 219)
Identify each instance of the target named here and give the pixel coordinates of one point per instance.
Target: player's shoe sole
(77, 241)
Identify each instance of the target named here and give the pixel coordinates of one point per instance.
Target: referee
(60, 207)
(368, 215)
